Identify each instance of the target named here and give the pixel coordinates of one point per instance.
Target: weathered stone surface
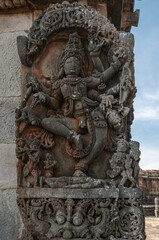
(67, 193)
(15, 22)
(130, 192)
(4, 4)
(149, 183)
(11, 223)
(77, 165)
(8, 160)
(7, 116)
(10, 65)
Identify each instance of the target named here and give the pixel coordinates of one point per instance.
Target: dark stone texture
(77, 166)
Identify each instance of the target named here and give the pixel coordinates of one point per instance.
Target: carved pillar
(77, 166)
(156, 206)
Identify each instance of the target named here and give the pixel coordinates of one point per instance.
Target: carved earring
(82, 73)
(61, 73)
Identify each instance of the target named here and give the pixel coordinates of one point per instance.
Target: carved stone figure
(31, 167)
(50, 163)
(21, 156)
(95, 49)
(77, 166)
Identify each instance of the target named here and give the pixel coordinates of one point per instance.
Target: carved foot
(79, 173)
(77, 140)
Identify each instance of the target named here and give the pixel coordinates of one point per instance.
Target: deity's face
(72, 66)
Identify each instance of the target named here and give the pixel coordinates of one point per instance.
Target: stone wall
(11, 26)
(149, 182)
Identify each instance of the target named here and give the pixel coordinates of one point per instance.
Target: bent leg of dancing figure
(82, 165)
(58, 126)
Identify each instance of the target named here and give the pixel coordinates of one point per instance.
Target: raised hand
(34, 84)
(106, 101)
(39, 98)
(120, 56)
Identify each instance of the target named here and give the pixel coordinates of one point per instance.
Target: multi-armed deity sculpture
(77, 167)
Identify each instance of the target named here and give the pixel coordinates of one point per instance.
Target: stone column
(156, 206)
(12, 25)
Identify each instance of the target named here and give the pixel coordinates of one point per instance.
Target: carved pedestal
(77, 166)
(95, 213)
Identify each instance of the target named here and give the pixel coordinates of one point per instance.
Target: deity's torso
(73, 91)
(73, 88)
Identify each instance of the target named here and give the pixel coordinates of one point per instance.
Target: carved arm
(111, 71)
(95, 81)
(43, 98)
(35, 157)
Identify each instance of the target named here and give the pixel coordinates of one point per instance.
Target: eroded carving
(73, 129)
(88, 218)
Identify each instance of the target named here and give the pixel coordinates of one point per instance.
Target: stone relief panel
(70, 218)
(73, 128)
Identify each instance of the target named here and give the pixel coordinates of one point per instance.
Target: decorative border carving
(59, 17)
(56, 218)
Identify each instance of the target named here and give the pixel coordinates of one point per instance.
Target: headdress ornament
(73, 48)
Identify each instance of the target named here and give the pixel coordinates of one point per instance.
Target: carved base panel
(74, 214)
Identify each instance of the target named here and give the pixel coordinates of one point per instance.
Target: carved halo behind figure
(61, 17)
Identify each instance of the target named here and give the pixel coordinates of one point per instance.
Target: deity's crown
(73, 47)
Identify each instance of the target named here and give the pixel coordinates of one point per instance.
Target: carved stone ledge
(67, 193)
(79, 193)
